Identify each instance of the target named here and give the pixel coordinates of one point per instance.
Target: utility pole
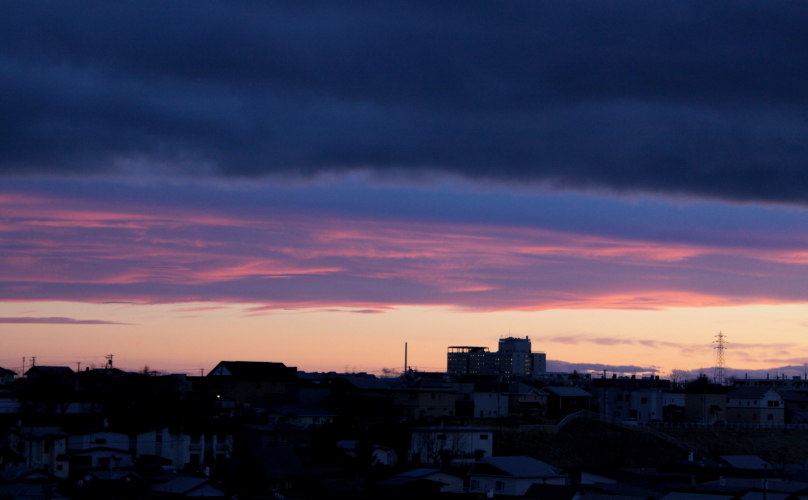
(78, 366)
(33, 361)
(23, 367)
(109, 360)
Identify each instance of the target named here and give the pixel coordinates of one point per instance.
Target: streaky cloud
(57, 321)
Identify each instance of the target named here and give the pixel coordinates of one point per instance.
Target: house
(250, 383)
(28, 483)
(450, 445)
(568, 398)
(42, 447)
(183, 448)
(631, 402)
(6, 376)
(673, 405)
(416, 403)
(526, 399)
(705, 402)
(98, 449)
(796, 406)
(511, 476)
(755, 405)
(50, 373)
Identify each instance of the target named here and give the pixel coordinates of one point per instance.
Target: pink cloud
(69, 249)
(58, 321)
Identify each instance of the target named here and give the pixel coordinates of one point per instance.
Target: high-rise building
(514, 358)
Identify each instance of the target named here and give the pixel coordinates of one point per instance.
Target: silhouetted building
(514, 358)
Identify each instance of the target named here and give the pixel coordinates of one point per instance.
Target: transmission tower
(720, 367)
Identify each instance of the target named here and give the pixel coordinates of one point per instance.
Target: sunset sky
(318, 183)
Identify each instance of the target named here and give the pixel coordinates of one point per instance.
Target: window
(770, 417)
(441, 437)
(754, 417)
(433, 395)
(483, 436)
(158, 438)
(620, 397)
(466, 397)
(60, 467)
(475, 484)
(100, 441)
(644, 401)
(500, 485)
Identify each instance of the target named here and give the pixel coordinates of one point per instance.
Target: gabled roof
(568, 392)
(50, 370)
(18, 473)
(4, 371)
(406, 480)
(751, 462)
(425, 473)
(113, 475)
(254, 370)
(514, 467)
(181, 485)
(750, 392)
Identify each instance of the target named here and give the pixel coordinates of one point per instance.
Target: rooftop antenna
(720, 367)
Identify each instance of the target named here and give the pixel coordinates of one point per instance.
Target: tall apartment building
(514, 358)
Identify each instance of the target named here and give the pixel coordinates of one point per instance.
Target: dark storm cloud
(701, 97)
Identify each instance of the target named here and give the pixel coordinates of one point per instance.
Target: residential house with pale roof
(512, 476)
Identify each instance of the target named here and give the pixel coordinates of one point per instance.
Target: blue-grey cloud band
(701, 97)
